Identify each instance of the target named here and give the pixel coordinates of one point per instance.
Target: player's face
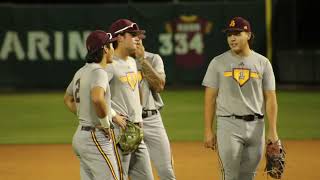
(110, 52)
(131, 41)
(138, 51)
(238, 41)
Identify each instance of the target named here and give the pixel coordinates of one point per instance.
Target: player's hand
(210, 140)
(140, 51)
(120, 121)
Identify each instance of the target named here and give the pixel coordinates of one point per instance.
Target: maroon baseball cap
(97, 39)
(238, 24)
(125, 25)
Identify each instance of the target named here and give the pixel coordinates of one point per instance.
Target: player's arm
(100, 105)
(98, 89)
(156, 80)
(99, 102)
(69, 100)
(272, 113)
(209, 116)
(271, 106)
(70, 103)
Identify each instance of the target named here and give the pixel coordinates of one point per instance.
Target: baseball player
(124, 84)
(240, 90)
(153, 80)
(88, 96)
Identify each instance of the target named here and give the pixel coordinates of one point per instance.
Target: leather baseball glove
(130, 138)
(275, 159)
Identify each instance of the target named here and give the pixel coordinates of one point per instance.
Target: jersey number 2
(76, 92)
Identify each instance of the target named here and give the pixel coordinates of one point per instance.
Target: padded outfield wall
(41, 46)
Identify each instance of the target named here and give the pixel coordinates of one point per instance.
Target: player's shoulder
(260, 57)
(220, 58)
(80, 71)
(95, 67)
(149, 54)
(97, 70)
(152, 56)
(131, 61)
(223, 56)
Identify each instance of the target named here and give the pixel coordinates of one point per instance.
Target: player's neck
(103, 64)
(121, 53)
(245, 52)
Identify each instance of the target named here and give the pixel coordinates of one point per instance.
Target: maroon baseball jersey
(188, 38)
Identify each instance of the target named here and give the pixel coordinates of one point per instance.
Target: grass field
(36, 118)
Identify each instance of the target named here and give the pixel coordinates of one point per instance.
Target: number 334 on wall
(180, 43)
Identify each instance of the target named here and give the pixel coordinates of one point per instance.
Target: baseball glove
(275, 159)
(130, 138)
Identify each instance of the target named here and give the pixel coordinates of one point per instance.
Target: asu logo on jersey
(132, 79)
(241, 75)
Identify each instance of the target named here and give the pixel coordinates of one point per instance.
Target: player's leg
(101, 156)
(140, 165)
(253, 152)
(230, 145)
(85, 172)
(117, 155)
(125, 162)
(158, 145)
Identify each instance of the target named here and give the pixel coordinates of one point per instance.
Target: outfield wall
(41, 46)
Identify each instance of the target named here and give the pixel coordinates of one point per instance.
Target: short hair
(96, 57)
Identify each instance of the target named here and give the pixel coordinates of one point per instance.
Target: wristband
(113, 113)
(104, 122)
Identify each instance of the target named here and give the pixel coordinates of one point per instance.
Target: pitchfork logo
(132, 79)
(241, 75)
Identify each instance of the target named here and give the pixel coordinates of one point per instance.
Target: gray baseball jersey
(242, 81)
(124, 80)
(155, 135)
(124, 85)
(152, 100)
(93, 149)
(86, 78)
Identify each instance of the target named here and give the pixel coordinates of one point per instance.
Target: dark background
(295, 39)
(295, 21)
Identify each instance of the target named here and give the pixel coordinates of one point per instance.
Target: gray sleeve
(99, 79)
(268, 80)
(70, 88)
(158, 64)
(109, 70)
(211, 79)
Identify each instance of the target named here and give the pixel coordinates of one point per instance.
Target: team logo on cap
(232, 23)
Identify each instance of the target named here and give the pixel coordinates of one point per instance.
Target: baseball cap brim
(113, 39)
(232, 30)
(133, 27)
(136, 31)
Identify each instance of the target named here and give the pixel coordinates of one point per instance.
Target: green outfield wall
(41, 46)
